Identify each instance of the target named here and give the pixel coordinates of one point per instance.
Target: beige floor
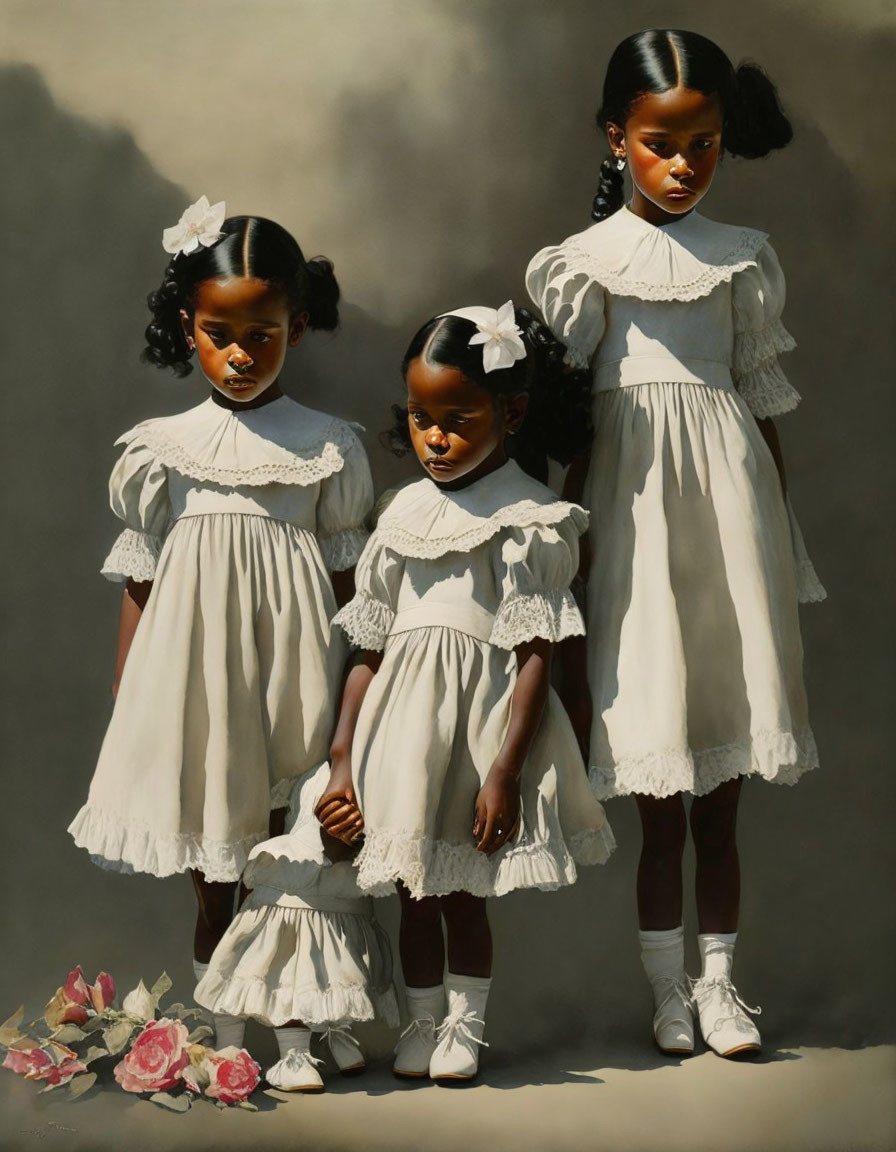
(817, 1100)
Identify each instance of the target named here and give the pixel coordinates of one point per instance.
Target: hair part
(652, 62)
(557, 424)
(250, 246)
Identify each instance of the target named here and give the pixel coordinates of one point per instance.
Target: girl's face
(242, 328)
(671, 142)
(458, 427)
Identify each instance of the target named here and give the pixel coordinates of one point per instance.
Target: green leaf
(93, 1053)
(199, 1034)
(80, 1084)
(161, 986)
(248, 1106)
(174, 1009)
(69, 1034)
(118, 1036)
(174, 1103)
(95, 1023)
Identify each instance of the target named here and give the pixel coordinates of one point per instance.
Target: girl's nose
(680, 168)
(239, 359)
(436, 439)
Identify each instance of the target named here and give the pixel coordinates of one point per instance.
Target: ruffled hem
(751, 349)
(324, 457)
(766, 390)
(131, 847)
(365, 621)
(342, 549)
(524, 514)
(134, 556)
(552, 615)
(253, 998)
(430, 867)
(777, 756)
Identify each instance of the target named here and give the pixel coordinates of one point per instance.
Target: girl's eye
(261, 337)
(420, 419)
(217, 338)
(656, 146)
(704, 145)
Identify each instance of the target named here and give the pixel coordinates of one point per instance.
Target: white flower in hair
(200, 224)
(501, 338)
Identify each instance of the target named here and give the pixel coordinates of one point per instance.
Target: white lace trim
(341, 550)
(751, 349)
(250, 996)
(524, 514)
(134, 555)
(429, 867)
(365, 621)
(742, 255)
(552, 615)
(576, 357)
(777, 756)
(809, 589)
(328, 457)
(766, 390)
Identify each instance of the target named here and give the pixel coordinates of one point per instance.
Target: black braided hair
(557, 424)
(610, 190)
(658, 59)
(249, 246)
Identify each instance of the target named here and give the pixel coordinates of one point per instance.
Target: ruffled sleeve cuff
(550, 615)
(757, 374)
(134, 556)
(342, 550)
(365, 621)
(809, 589)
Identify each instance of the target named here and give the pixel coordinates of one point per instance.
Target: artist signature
(39, 1132)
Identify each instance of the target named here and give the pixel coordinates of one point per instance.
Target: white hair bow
(200, 224)
(498, 333)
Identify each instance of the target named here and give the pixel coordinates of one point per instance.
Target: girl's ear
(186, 324)
(297, 327)
(616, 139)
(515, 411)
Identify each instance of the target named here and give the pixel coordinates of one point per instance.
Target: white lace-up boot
(296, 1070)
(426, 1007)
(228, 1029)
(459, 1035)
(662, 954)
(345, 1049)
(724, 1018)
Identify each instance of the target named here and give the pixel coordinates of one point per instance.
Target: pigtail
(755, 123)
(558, 421)
(397, 439)
(323, 294)
(610, 190)
(166, 345)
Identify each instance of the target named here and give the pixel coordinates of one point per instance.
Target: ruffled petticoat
(695, 657)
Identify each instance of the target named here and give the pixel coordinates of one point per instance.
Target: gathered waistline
(268, 894)
(631, 371)
(469, 619)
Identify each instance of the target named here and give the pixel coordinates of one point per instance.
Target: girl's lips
(437, 462)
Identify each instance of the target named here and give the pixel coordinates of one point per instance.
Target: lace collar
(680, 261)
(423, 521)
(280, 443)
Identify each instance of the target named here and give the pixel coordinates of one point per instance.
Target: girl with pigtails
(452, 757)
(694, 657)
(243, 522)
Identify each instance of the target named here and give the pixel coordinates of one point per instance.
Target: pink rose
(102, 991)
(233, 1075)
(156, 1059)
(75, 987)
(76, 1000)
(55, 1063)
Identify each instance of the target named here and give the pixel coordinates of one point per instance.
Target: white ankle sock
(229, 1030)
(717, 953)
(426, 1002)
(662, 952)
(289, 1038)
(474, 988)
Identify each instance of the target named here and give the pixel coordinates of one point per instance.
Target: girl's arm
(337, 809)
(498, 803)
(133, 601)
(770, 435)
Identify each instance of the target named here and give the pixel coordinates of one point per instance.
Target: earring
(191, 343)
(620, 163)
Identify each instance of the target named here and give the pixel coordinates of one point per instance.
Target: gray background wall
(429, 149)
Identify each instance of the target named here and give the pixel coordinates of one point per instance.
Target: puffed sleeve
(570, 300)
(138, 493)
(367, 618)
(759, 337)
(346, 498)
(537, 567)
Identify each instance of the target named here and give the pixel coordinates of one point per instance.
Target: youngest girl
(451, 742)
(304, 951)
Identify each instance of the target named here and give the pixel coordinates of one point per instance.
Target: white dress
(448, 585)
(230, 686)
(305, 944)
(695, 657)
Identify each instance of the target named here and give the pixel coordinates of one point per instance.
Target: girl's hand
(497, 811)
(338, 810)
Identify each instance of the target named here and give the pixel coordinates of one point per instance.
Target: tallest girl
(694, 655)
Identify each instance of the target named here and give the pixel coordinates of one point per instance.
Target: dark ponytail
(658, 59)
(610, 190)
(557, 424)
(249, 246)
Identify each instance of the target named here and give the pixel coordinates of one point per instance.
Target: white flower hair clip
(498, 333)
(200, 224)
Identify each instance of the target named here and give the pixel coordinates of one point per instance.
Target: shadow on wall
(83, 212)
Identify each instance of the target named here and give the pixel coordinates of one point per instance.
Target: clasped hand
(497, 811)
(338, 810)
